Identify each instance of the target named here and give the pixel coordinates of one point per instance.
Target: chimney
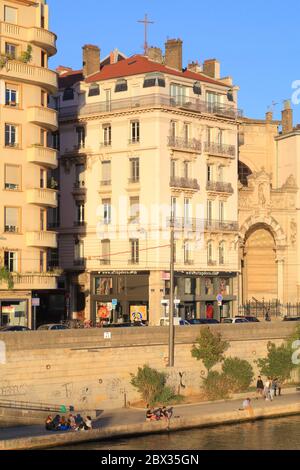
(287, 118)
(155, 54)
(212, 68)
(173, 57)
(269, 116)
(194, 67)
(114, 56)
(91, 60)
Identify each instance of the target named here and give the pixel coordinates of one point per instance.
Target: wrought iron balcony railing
(219, 187)
(182, 143)
(198, 225)
(220, 149)
(185, 183)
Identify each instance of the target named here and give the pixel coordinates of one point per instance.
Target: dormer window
(154, 79)
(68, 94)
(94, 90)
(121, 85)
(230, 96)
(197, 88)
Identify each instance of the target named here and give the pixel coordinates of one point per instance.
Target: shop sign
(138, 312)
(8, 310)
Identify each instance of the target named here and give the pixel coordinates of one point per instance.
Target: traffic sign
(177, 301)
(35, 302)
(220, 298)
(114, 303)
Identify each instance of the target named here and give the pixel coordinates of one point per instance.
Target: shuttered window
(12, 177)
(12, 219)
(106, 172)
(10, 15)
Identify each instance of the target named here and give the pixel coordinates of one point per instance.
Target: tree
(278, 362)
(239, 373)
(209, 348)
(6, 276)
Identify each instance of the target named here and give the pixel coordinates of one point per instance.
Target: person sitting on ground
(149, 413)
(49, 424)
(78, 421)
(72, 422)
(86, 424)
(63, 425)
(246, 405)
(56, 422)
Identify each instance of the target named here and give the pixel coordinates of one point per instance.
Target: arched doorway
(260, 270)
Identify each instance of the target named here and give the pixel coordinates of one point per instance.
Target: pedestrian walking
(273, 389)
(259, 388)
(267, 389)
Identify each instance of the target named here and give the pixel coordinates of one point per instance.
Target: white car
(235, 320)
(53, 327)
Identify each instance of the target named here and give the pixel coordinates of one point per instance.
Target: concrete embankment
(198, 417)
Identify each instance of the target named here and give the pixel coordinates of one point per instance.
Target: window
(186, 169)
(43, 179)
(187, 211)
(173, 207)
(230, 96)
(187, 250)
(173, 168)
(220, 136)
(107, 135)
(79, 252)
(94, 90)
(197, 88)
(106, 211)
(186, 132)
(244, 173)
(80, 137)
(173, 129)
(221, 174)
(107, 100)
(210, 173)
(43, 261)
(12, 177)
(121, 85)
(43, 137)
(43, 59)
(210, 252)
(154, 79)
(43, 220)
(103, 286)
(135, 131)
(213, 101)
(106, 173)
(44, 99)
(68, 94)
(11, 261)
(11, 135)
(52, 258)
(10, 15)
(209, 211)
(11, 96)
(80, 175)
(209, 135)
(80, 209)
(222, 253)
(56, 140)
(221, 211)
(134, 210)
(10, 50)
(134, 245)
(12, 219)
(105, 250)
(179, 94)
(135, 170)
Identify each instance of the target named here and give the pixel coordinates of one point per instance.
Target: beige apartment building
(142, 140)
(27, 188)
(269, 209)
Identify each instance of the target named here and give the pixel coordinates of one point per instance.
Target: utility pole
(171, 306)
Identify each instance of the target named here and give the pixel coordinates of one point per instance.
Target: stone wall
(83, 369)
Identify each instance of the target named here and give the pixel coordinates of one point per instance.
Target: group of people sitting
(158, 414)
(73, 423)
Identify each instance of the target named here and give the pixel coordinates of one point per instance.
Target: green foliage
(239, 373)
(6, 276)
(216, 386)
(209, 348)
(278, 362)
(151, 384)
(26, 56)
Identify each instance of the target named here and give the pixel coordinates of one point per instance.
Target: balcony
(105, 187)
(32, 281)
(42, 197)
(44, 117)
(38, 36)
(218, 187)
(41, 239)
(43, 156)
(79, 188)
(32, 74)
(150, 101)
(220, 150)
(221, 226)
(185, 183)
(186, 145)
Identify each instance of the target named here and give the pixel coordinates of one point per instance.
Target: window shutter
(12, 216)
(12, 175)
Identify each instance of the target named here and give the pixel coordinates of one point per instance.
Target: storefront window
(209, 286)
(103, 286)
(103, 312)
(13, 313)
(224, 287)
(189, 286)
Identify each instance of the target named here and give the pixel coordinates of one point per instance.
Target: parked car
(291, 319)
(250, 319)
(203, 321)
(235, 320)
(164, 321)
(53, 327)
(14, 328)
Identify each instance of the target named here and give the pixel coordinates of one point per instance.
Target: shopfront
(119, 297)
(198, 294)
(14, 312)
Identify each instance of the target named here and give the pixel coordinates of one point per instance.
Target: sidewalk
(125, 422)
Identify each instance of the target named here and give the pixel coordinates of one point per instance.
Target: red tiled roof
(138, 64)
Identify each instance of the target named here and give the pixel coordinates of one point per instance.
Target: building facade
(28, 189)
(268, 209)
(143, 141)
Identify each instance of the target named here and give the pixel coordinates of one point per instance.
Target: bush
(278, 363)
(239, 373)
(152, 386)
(216, 386)
(210, 348)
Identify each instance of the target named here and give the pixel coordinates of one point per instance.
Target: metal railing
(221, 225)
(203, 224)
(220, 149)
(20, 405)
(191, 104)
(185, 183)
(182, 143)
(273, 309)
(219, 187)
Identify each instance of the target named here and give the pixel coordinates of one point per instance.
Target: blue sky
(256, 41)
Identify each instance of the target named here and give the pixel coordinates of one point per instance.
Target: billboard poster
(138, 313)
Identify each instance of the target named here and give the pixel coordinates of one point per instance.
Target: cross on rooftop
(146, 22)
